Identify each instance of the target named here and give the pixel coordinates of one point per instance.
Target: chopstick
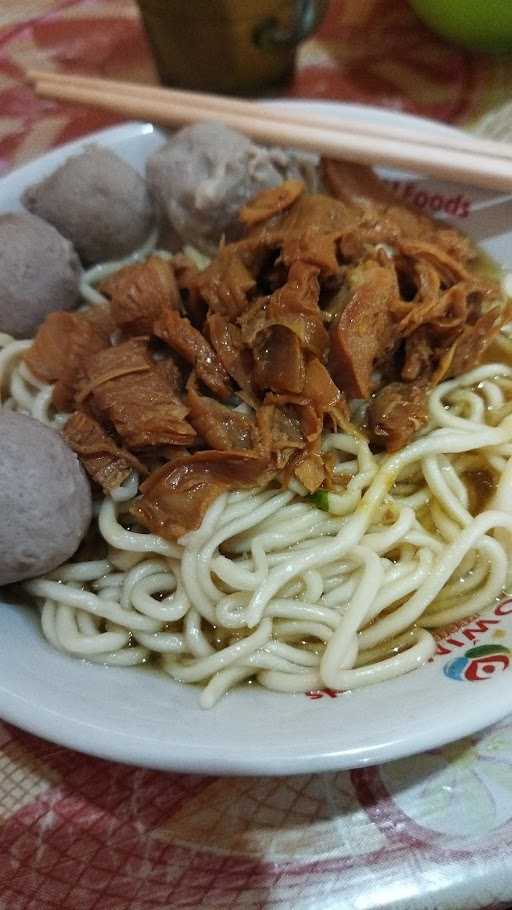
(224, 104)
(463, 158)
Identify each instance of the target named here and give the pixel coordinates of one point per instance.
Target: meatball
(97, 201)
(39, 272)
(204, 175)
(45, 499)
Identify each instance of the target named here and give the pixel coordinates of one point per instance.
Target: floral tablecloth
(432, 832)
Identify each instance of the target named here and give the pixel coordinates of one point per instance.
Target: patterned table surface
(432, 832)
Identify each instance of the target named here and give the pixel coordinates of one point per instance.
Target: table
(432, 832)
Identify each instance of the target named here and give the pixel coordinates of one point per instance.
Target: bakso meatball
(204, 175)
(39, 273)
(45, 499)
(97, 201)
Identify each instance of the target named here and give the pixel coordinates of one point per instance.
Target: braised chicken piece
(226, 378)
(106, 464)
(133, 395)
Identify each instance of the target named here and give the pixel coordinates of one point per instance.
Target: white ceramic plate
(144, 718)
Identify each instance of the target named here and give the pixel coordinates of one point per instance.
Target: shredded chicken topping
(226, 378)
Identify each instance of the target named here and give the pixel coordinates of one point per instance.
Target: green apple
(481, 24)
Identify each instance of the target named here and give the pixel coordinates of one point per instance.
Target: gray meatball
(39, 272)
(204, 175)
(45, 499)
(97, 201)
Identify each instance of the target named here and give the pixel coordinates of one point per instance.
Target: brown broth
(480, 485)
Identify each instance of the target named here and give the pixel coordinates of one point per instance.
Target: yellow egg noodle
(274, 588)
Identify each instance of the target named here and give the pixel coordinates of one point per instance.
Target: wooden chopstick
(473, 144)
(170, 108)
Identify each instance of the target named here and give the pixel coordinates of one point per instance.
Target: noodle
(272, 588)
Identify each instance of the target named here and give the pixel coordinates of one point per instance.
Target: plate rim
(145, 752)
